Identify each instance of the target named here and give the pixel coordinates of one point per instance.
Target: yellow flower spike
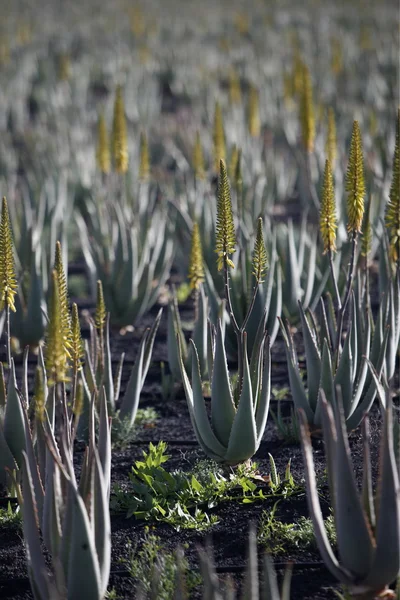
(260, 256)
(55, 355)
(233, 161)
(327, 223)
(144, 163)
(196, 267)
(355, 184)
(235, 93)
(307, 111)
(366, 239)
(218, 137)
(337, 56)
(298, 73)
(77, 349)
(101, 312)
(119, 134)
(103, 157)
(253, 114)
(242, 23)
(225, 227)
(198, 158)
(78, 402)
(330, 146)
(8, 280)
(392, 214)
(138, 25)
(63, 294)
(64, 67)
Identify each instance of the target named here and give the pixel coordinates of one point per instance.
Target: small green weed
(124, 433)
(10, 518)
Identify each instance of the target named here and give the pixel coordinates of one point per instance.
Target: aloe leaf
(107, 379)
(385, 567)
(149, 344)
(313, 360)
(324, 329)
(84, 578)
(275, 308)
(251, 585)
(130, 401)
(222, 406)
(344, 373)
(326, 382)
(354, 538)
(365, 404)
(38, 573)
(6, 460)
(209, 575)
(33, 328)
(363, 369)
(263, 398)
(256, 356)
(102, 525)
(270, 587)
(310, 273)
(196, 403)
(314, 506)
(367, 493)
(52, 507)
(174, 329)
(296, 385)
(14, 424)
(210, 348)
(200, 331)
(104, 440)
(3, 393)
(243, 438)
(33, 465)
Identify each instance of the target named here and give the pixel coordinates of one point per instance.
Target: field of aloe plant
(199, 300)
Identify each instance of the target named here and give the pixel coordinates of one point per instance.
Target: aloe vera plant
(73, 518)
(132, 261)
(367, 527)
(237, 426)
(351, 371)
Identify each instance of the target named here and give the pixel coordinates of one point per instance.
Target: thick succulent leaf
(33, 464)
(324, 328)
(353, 338)
(270, 587)
(310, 279)
(263, 396)
(299, 395)
(363, 368)
(209, 575)
(210, 348)
(275, 308)
(256, 356)
(364, 406)
(203, 425)
(250, 587)
(3, 392)
(354, 538)
(52, 507)
(367, 493)
(200, 331)
(33, 327)
(326, 383)
(149, 344)
(107, 379)
(313, 360)
(314, 506)
(38, 571)
(330, 443)
(102, 525)
(104, 440)
(84, 578)
(222, 406)
(344, 373)
(130, 401)
(386, 564)
(243, 439)
(174, 329)
(14, 423)
(6, 460)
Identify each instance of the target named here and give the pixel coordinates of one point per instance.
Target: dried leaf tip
(196, 267)
(253, 117)
(330, 147)
(55, 355)
(77, 349)
(144, 164)
(327, 222)
(225, 228)
(260, 257)
(392, 214)
(218, 137)
(103, 157)
(119, 135)
(198, 158)
(307, 111)
(355, 184)
(8, 280)
(101, 312)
